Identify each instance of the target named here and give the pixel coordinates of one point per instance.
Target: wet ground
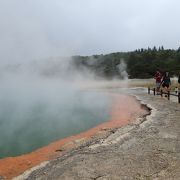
(148, 148)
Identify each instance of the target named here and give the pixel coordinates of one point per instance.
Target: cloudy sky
(32, 29)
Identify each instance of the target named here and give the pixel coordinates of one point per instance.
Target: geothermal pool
(26, 126)
(36, 110)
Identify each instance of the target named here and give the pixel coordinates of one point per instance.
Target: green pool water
(31, 120)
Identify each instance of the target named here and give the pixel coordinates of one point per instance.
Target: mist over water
(43, 102)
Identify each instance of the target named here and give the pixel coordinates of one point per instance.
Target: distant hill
(141, 63)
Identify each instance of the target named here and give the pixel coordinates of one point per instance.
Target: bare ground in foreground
(146, 149)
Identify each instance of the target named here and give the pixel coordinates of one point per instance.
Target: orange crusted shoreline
(122, 114)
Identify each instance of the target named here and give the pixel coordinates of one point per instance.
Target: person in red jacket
(158, 78)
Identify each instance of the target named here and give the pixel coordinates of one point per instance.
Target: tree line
(141, 63)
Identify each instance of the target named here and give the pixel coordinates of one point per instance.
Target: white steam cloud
(122, 67)
(43, 101)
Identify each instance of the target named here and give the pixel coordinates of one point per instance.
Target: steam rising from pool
(40, 104)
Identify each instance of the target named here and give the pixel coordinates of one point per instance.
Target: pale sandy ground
(148, 148)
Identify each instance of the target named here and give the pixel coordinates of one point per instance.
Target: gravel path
(146, 149)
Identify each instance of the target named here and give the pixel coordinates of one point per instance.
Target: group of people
(162, 80)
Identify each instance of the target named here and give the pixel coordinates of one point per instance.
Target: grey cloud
(35, 29)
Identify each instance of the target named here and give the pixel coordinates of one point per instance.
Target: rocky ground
(146, 149)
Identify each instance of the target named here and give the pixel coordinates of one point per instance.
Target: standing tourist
(178, 87)
(176, 90)
(158, 77)
(166, 82)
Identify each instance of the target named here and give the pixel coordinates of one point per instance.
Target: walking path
(146, 149)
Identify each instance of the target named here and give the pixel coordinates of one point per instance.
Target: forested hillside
(141, 63)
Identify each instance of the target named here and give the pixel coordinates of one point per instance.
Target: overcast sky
(32, 29)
